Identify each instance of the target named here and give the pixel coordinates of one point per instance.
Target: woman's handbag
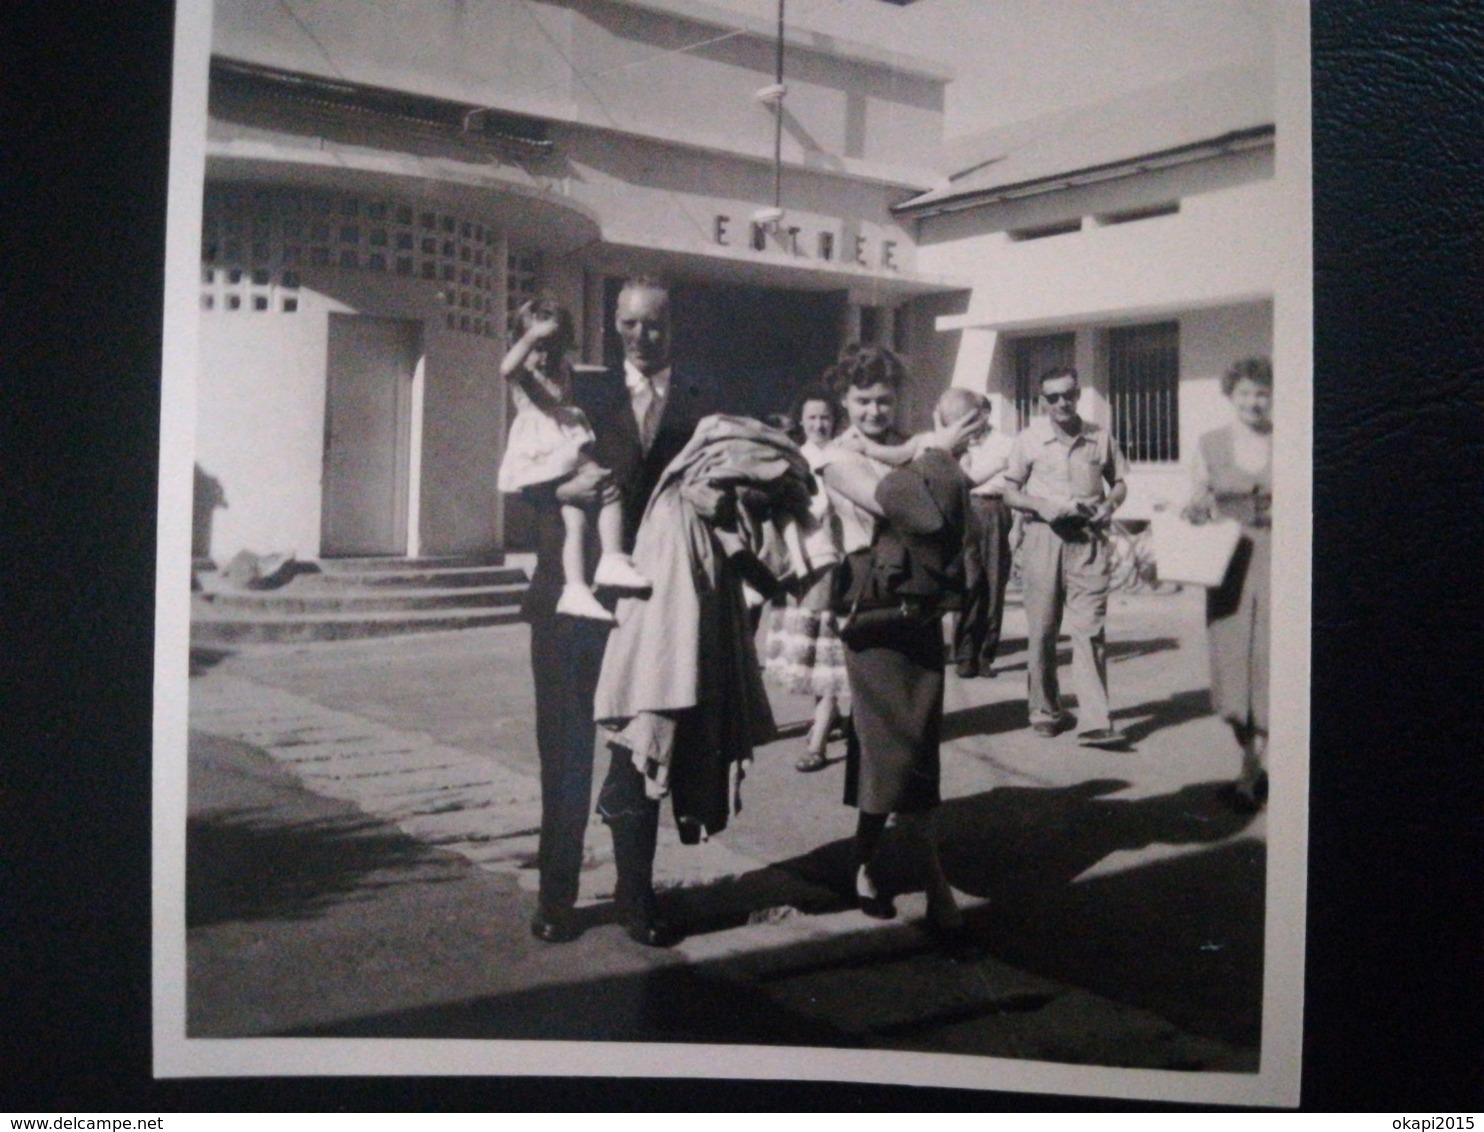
(870, 614)
(1197, 554)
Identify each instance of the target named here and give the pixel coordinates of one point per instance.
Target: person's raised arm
(513, 364)
(893, 454)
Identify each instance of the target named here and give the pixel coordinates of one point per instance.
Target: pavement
(362, 836)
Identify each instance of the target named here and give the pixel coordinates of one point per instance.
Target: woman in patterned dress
(803, 654)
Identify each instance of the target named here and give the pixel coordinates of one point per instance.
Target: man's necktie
(646, 412)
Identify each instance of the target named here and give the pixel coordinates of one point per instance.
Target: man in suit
(641, 419)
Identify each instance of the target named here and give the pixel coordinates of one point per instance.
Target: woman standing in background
(1233, 479)
(803, 654)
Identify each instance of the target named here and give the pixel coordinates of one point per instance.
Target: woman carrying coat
(896, 679)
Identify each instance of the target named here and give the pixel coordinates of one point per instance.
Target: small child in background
(549, 443)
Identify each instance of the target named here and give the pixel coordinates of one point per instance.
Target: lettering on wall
(793, 240)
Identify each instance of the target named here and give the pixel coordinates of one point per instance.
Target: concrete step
(367, 564)
(295, 598)
(211, 625)
(413, 576)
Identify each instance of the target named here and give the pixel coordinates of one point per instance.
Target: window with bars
(1030, 358)
(1144, 390)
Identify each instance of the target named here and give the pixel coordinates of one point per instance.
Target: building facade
(384, 187)
(1143, 240)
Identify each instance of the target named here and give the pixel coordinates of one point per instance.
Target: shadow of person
(1117, 651)
(1015, 842)
(1010, 844)
(1179, 934)
(1143, 720)
(985, 719)
(816, 882)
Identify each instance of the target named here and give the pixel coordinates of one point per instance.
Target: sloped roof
(1192, 112)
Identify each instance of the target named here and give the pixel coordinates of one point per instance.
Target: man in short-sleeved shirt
(1066, 475)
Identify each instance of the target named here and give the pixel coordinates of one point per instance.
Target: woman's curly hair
(860, 367)
(1259, 371)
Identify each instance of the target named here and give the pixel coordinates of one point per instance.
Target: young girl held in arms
(549, 443)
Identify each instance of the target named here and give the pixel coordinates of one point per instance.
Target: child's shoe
(617, 571)
(578, 601)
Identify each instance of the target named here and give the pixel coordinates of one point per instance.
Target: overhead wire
(314, 39)
(702, 229)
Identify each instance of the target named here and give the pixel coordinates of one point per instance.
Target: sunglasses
(1069, 396)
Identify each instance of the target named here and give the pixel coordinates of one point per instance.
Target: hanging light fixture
(772, 96)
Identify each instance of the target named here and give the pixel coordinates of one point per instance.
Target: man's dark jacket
(605, 399)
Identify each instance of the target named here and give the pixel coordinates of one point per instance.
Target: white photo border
(1275, 1084)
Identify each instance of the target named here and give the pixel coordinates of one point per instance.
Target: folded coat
(681, 687)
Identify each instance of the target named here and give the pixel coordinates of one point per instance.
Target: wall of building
(844, 106)
(1211, 339)
(664, 197)
(836, 108)
(261, 406)
(1216, 249)
(260, 427)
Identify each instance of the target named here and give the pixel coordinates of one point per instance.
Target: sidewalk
(1119, 904)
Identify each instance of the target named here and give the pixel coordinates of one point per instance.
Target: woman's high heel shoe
(869, 898)
(1250, 792)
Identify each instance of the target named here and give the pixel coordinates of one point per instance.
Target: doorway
(368, 434)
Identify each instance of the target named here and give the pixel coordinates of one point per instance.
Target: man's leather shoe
(1105, 737)
(1047, 728)
(555, 927)
(967, 670)
(651, 931)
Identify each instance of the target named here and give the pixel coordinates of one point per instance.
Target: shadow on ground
(205, 657)
(1181, 936)
(1143, 720)
(1137, 723)
(1172, 949)
(998, 718)
(241, 868)
(672, 1003)
(1118, 651)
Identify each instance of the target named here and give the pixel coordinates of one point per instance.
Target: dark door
(368, 434)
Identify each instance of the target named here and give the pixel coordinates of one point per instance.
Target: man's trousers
(976, 636)
(1066, 581)
(566, 657)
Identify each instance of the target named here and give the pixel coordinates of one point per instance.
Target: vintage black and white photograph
(744, 538)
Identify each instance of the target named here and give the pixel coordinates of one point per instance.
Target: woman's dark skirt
(1237, 625)
(891, 762)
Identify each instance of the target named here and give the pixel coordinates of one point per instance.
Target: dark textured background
(1393, 1003)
